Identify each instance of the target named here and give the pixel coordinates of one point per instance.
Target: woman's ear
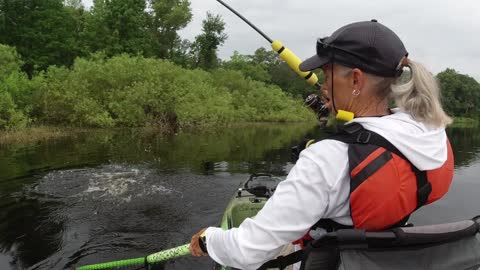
(358, 79)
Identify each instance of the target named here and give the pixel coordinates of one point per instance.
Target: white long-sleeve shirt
(318, 187)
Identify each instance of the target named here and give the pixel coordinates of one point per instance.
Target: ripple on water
(109, 183)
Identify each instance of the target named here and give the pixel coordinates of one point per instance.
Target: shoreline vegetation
(122, 64)
(133, 91)
(464, 122)
(37, 134)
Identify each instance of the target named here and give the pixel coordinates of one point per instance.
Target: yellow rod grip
(293, 61)
(344, 115)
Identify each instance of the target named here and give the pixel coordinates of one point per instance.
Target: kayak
(248, 199)
(453, 245)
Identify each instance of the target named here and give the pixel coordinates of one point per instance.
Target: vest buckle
(364, 137)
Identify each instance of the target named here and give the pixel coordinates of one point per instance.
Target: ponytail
(420, 97)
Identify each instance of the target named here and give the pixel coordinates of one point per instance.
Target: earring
(355, 92)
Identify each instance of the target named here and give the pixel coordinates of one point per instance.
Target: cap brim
(313, 63)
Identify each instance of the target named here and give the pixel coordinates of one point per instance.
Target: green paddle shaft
(158, 257)
(169, 254)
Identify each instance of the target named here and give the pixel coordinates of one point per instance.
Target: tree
(206, 45)
(180, 54)
(9, 61)
(265, 57)
(243, 63)
(166, 18)
(265, 65)
(117, 26)
(42, 31)
(290, 82)
(75, 4)
(11, 90)
(460, 93)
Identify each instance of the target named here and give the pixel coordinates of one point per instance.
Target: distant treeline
(122, 63)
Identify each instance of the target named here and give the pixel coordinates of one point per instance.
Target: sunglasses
(328, 50)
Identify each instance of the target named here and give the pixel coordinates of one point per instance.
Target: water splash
(109, 183)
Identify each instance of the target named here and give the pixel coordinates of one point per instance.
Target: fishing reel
(314, 102)
(260, 185)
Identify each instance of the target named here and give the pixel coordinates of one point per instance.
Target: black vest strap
(355, 133)
(330, 225)
(283, 261)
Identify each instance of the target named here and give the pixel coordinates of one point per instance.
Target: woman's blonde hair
(420, 96)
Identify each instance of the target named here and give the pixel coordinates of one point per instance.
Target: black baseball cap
(369, 46)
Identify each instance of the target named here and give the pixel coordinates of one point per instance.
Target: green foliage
(460, 93)
(126, 26)
(107, 88)
(55, 32)
(15, 91)
(9, 61)
(136, 91)
(43, 32)
(10, 117)
(257, 101)
(267, 67)
(290, 82)
(267, 58)
(464, 122)
(74, 4)
(206, 44)
(249, 68)
(118, 26)
(167, 18)
(181, 54)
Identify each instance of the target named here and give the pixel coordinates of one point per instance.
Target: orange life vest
(385, 187)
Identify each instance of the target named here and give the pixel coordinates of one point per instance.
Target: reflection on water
(106, 196)
(466, 145)
(462, 200)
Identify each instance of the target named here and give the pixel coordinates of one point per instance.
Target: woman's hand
(195, 249)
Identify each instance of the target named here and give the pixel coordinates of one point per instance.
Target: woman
(362, 63)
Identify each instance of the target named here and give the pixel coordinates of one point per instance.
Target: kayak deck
(249, 199)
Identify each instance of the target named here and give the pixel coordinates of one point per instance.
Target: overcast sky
(438, 33)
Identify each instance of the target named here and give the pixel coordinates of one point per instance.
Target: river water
(109, 195)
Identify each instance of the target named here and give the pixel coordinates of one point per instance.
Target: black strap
(330, 225)
(355, 133)
(202, 242)
(424, 188)
(283, 261)
(147, 265)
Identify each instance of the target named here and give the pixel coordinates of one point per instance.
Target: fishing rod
(312, 101)
(286, 54)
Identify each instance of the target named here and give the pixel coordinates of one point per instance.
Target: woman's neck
(370, 110)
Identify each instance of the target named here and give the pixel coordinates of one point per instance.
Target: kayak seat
(436, 247)
(441, 247)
